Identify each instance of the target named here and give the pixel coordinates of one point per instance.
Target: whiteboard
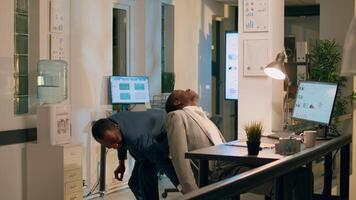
(255, 13)
(231, 65)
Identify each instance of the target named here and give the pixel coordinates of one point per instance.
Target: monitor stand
(326, 135)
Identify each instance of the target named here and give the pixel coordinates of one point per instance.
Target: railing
(245, 181)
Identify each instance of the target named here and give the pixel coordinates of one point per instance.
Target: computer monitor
(129, 89)
(231, 65)
(315, 101)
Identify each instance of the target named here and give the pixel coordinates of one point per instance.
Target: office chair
(167, 190)
(217, 119)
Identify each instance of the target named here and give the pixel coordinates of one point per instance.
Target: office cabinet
(54, 172)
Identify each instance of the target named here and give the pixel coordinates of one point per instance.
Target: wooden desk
(240, 155)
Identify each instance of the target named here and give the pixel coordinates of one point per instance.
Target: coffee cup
(288, 146)
(309, 138)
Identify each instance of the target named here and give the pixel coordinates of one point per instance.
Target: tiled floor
(126, 194)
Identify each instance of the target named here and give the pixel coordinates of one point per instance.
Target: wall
(153, 42)
(13, 160)
(9, 121)
(11, 155)
(261, 98)
(335, 17)
(335, 26)
(12, 172)
(303, 28)
(91, 53)
(192, 40)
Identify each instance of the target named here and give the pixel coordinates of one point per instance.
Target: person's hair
(99, 127)
(170, 107)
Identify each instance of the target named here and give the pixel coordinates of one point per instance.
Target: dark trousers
(144, 181)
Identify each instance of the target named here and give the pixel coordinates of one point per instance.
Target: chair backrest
(217, 119)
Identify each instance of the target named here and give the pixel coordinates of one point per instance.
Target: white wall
(13, 161)
(92, 62)
(303, 28)
(153, 45)
(335, 17)
(12, 172)
(261, 98)
(8, 120)
(91, 56)
(192, 40)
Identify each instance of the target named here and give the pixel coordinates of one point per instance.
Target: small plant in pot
(253, 131)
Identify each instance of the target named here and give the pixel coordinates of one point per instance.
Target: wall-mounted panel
(256, 56)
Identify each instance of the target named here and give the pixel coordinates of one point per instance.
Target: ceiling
(300, 2)
(287, 2)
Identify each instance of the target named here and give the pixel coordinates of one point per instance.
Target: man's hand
(120, 170)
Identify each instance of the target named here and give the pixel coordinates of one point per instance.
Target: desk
(231, 153)
(239, 155)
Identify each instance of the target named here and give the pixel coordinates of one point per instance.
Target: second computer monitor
(129, 89)
(315, 101)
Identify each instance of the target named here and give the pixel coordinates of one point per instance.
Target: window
(120, 42)
(167, 48)
(21, 57)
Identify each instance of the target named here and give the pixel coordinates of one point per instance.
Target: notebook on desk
(278, 135)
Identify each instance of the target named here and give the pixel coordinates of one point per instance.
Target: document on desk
(238, 143)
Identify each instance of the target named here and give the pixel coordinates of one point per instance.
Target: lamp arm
(286, 105)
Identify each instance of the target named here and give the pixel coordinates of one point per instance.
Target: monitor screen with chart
(315, 101)
(129, 89)
(231, 65)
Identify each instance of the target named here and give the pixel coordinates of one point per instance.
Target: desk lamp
(277, 70)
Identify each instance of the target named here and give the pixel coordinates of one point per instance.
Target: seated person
(188, 129)
(144, 135)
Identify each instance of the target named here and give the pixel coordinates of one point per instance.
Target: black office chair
(217, 120)
(167, 190)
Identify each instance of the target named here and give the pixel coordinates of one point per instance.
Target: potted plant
(324, 64)
(253, 131)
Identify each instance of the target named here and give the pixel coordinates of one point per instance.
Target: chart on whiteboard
(231, 66)
(255, 15)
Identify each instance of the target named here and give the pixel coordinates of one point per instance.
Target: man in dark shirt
(145, 136)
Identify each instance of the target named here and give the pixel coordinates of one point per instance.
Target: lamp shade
(276, 68)
(348, 66)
